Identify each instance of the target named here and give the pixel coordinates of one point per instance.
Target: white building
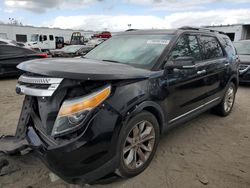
(24, 33)
(235, 32)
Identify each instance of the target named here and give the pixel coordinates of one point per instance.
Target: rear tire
(226, 105)
(137, 145)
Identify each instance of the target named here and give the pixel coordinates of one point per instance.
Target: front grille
(39, 80)
(37, 85)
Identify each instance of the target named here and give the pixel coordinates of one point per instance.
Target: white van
(44, 42)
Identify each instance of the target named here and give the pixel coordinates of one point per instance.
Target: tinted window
(185, 47)
(210, 47)
(44, 37)
(194, 47)
(228, 46)
(51, 37)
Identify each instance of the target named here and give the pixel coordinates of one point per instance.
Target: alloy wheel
(138, 145)
(229, 99)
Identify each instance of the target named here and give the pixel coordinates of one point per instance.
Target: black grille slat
(35, 86)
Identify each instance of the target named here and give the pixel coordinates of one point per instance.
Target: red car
(104, 34)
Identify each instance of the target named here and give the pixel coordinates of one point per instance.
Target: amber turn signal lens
(85, 103)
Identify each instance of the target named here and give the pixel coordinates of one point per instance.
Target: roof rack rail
(131, 30)
(201, 29)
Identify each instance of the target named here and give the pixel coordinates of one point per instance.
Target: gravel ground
(209, 151)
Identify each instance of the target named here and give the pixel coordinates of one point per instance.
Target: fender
(235, 79)
(152, 107)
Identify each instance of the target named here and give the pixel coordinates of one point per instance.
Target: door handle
(188, 66)
(202, 72)
(226, 64)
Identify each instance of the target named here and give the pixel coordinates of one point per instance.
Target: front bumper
(86, 159)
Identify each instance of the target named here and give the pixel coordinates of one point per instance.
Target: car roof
(173, 31)
(148, 31)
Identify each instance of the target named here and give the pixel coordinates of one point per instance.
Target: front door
(185, 86)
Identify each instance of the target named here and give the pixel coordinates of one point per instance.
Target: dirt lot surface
(208, 151)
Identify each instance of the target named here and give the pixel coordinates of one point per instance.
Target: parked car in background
(95, 42)
(13, 43)
(8, 42)
(11, 56)
(104, 34)
(102, 115)
(243, 50)
(71, 51)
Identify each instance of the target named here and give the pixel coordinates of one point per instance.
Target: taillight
(42, 55)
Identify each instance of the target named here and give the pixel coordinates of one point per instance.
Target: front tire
(226, 105)
(138, 142)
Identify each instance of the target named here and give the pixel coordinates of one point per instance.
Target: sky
(119, 15)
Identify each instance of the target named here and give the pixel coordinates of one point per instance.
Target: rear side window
(211, 48)
(228, 45)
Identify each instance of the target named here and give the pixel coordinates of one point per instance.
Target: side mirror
(185, 62)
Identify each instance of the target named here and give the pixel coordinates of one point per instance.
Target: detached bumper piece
(11, 145)
(18, 144)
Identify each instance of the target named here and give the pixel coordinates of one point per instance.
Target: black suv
(103, 115)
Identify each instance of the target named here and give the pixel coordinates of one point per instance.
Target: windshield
(72, 49)
(136, 50)
(34, 38)
(242, 47)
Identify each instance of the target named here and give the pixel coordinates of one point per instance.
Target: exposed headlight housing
(74, 111)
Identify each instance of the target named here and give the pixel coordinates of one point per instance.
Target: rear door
(186, 88)
(213, 66)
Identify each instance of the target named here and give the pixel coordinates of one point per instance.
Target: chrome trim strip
(23, 85)
(197, 108)
(36, 92)
(39, 80)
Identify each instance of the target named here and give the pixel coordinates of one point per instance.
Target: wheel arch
(153, 108)
(235, 81)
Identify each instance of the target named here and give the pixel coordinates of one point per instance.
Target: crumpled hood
(84, 69)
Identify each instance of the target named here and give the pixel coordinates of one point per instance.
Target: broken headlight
(74, 111)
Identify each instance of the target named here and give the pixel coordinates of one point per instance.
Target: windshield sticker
(162, 42)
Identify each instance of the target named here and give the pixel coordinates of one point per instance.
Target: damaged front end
(53, 110)
(73, 122)
(63, 121)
